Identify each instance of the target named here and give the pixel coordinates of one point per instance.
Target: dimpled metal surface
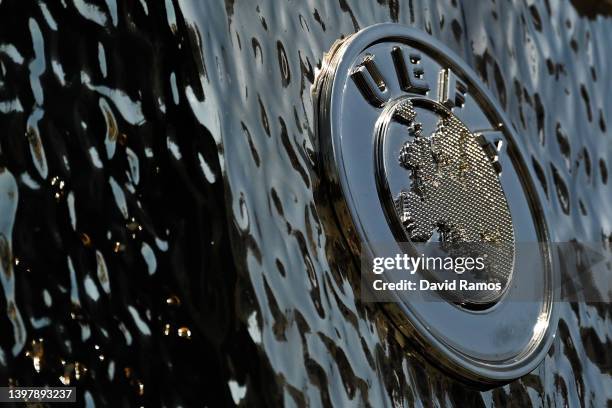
(209, 103)
(454, 192)
(453, 183)
(360, 146)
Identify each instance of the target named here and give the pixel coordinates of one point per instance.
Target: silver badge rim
(328, 92)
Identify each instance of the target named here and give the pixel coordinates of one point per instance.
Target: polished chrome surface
(197, 117)
(450, 194)
(409, 103)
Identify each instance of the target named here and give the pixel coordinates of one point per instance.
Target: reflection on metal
(452, 194)
(413, 148)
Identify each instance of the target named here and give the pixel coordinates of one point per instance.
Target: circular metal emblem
(416, 151)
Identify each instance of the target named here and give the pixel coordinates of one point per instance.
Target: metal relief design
(417, 152)
(453, 193)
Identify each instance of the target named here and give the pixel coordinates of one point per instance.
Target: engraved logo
(451, 192)
(421, 162)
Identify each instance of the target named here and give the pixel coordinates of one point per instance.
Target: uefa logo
(417, 151)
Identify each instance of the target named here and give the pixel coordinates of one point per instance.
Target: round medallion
(420, 159)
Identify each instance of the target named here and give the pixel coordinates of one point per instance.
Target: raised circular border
(384, 190)
(326, 95)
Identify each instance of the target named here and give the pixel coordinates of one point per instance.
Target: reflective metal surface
(373, 126)
(196, 118)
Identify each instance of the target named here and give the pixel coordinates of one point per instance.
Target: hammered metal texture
(453, 186)
(243, 292)
(455, 195)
